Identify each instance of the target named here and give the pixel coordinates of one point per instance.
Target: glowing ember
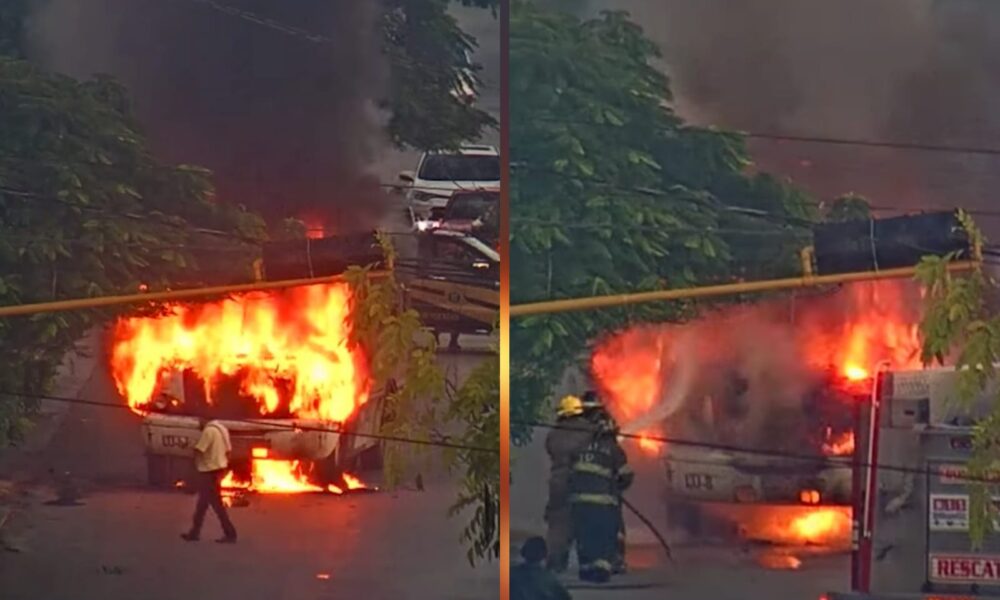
(650, 445)
(822, 526)
(827, 527)
(353, 483)
(290, 351)
(839, 445)
(778, 561)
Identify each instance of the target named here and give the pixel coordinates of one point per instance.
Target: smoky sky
(922, 71)
(287, 125)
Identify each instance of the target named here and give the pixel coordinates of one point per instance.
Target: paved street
(718, 573)
(124, 544)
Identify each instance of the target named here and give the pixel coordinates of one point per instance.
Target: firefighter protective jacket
(599, 472)
(563, 444)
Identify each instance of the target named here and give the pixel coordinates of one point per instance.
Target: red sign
(964, 568)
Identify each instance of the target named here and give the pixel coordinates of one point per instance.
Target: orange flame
(838, 444)
(269, 476)
(289, 349)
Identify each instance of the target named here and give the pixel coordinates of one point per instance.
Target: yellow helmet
(570, 406)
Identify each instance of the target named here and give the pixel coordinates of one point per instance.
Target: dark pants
(560, 537)
(619, 564)
(209, 488)
(596, 527)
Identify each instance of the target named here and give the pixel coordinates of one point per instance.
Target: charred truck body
(462, 295)
(712, 470)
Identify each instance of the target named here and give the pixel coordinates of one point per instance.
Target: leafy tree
(421, 407)
(960, 326)
(426, 51)
(612, 192)
(849, 207)
(86, 211)
(477, 409)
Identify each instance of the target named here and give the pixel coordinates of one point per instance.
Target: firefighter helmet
(570, 406)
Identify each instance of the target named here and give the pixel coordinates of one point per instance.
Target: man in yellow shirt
(211, 459)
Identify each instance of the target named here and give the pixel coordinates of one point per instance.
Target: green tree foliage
(959, 326)
(426, 51)
(477, 409)
(849, 207)
(422, 409)
(86, 211)
(612, 192)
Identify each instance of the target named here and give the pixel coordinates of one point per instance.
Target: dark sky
(925, 71)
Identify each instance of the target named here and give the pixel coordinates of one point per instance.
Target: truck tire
(158, 470)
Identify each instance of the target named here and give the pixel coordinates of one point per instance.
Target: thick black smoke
(288, 125)
(925, 71)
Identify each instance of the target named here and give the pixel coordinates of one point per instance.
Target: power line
(443, 443)
(790, 137)
(824, 460)
(656, 228)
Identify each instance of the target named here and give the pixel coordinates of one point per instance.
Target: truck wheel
(158, 470)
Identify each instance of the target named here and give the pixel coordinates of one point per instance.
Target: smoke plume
(286, 124)
(924, 71)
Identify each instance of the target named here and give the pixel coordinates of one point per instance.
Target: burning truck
(277, 368)
(784, 379)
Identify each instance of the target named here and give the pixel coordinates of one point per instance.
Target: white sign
(949, 512)
(964, 568)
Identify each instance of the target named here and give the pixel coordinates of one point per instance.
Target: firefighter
(623, 481)
(598, 477)
(573, 432)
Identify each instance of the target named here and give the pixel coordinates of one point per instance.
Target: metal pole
(770, 285)
(84, 303)
(871, 479)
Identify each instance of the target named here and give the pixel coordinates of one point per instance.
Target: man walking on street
(572, 434)
(211, 460)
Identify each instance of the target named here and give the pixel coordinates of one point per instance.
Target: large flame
(290, 351)
(269, 476)
(846, 333)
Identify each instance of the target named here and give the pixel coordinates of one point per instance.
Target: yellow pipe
(594, 302)
(83, 303)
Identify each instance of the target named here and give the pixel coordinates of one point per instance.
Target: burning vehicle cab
(473, 212)
(440, 175)
(802, 450)
(325, 449)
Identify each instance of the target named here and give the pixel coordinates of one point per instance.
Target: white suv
(440, 174)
